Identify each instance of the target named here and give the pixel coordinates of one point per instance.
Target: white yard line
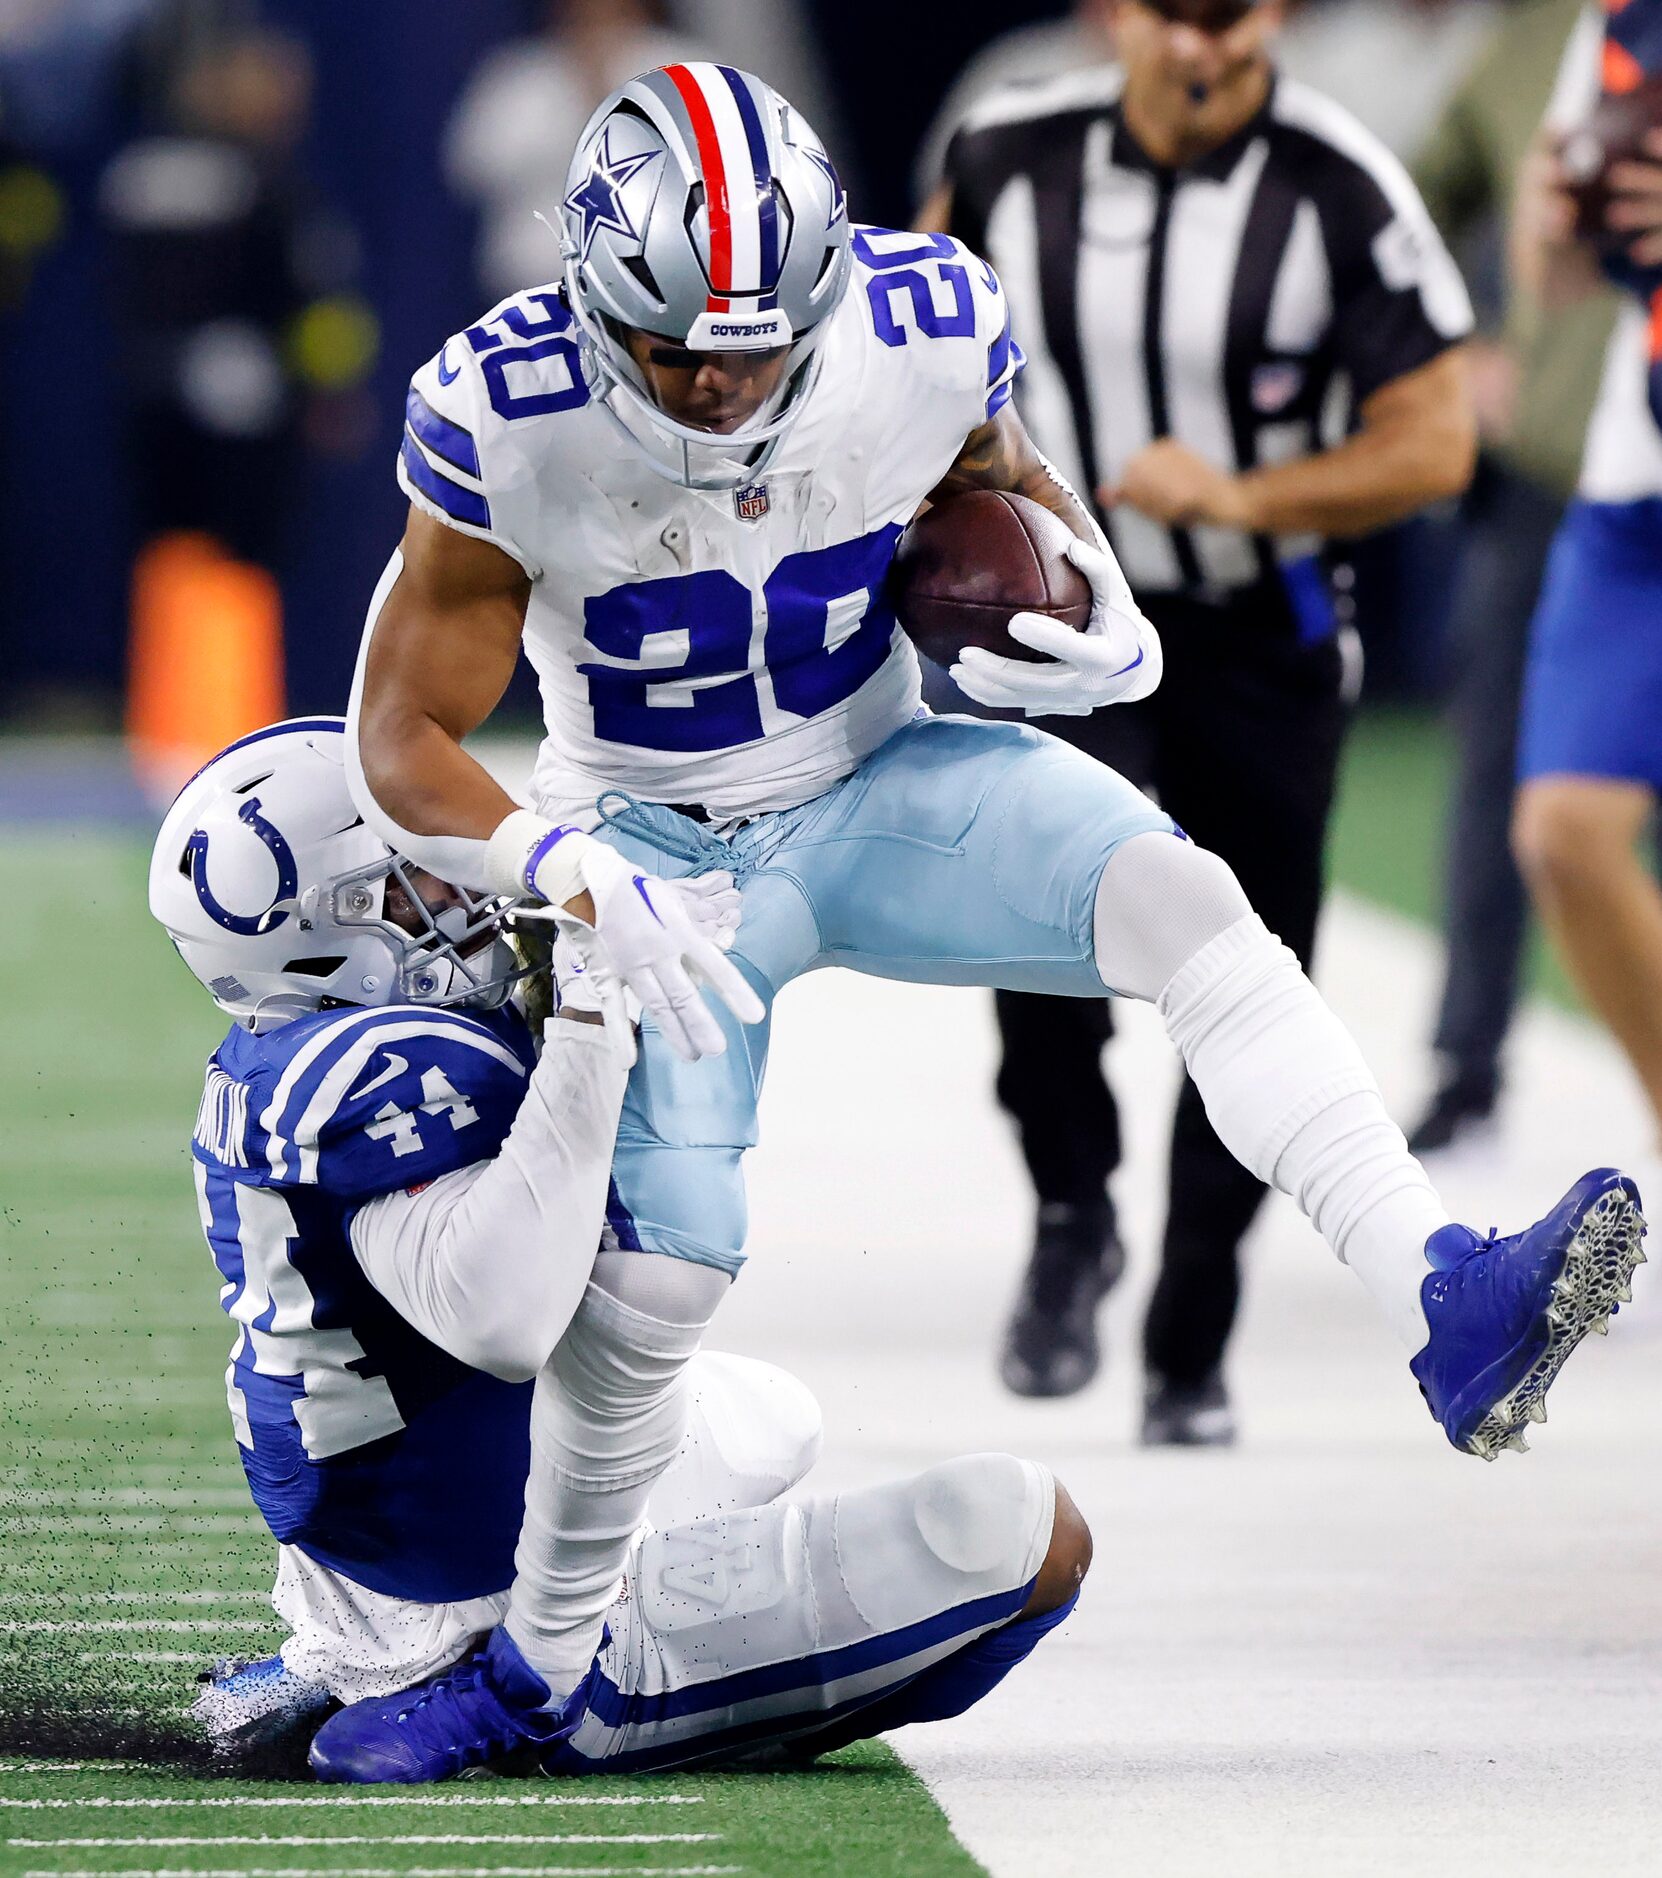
(403, 1871)
(209, 1499)
(140, 1656)
(150, 1524)
(64, 1767)
(56, 1627)
(58, 1600)
(350, 1800)
(398, 1838)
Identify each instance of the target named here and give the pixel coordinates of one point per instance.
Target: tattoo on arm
(1000, 455)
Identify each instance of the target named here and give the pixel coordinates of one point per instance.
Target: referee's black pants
(1241, 746)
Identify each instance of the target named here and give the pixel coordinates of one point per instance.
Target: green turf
(1387, 842)
(121, 1501)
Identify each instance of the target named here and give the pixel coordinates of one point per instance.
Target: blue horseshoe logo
(250, 925)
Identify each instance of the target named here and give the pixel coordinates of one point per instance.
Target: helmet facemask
(683, 453)
(457, 952)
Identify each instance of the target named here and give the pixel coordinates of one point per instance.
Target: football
(1613, 134)
(966, 565)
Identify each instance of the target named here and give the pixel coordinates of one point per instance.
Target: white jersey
(728, 648)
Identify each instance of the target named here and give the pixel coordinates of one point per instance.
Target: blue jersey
(365, 1445)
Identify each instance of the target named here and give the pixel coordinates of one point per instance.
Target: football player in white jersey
(677, 476)
(404, 1201)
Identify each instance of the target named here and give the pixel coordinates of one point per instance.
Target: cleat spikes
(1504, 1320)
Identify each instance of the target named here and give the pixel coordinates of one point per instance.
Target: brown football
(966, 565)
(1613, 134)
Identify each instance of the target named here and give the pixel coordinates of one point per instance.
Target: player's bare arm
(438, 663)
(1000, 455)
(1417, 444)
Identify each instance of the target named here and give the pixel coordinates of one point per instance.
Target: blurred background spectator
(1535, 380)
(242, 343)
(1024, 55)
(517, 122)
(233, 290)
(1391, 63)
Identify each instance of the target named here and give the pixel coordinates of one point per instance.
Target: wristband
(529, 854)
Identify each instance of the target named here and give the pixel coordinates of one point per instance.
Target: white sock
(607, 1416)
(1290, 1096)
(1282, 1079)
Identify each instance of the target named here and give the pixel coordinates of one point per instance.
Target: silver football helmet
(277, 894)
(702, 209)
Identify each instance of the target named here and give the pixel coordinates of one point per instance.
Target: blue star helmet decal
(597, 200)
(839, 201)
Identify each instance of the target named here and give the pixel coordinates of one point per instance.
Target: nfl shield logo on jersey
(750, 504)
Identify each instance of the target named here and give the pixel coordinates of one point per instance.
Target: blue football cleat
(254, 1710)
(482, 1709)
(1506, 1313)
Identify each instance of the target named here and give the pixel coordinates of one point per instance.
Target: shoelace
(461, 1727)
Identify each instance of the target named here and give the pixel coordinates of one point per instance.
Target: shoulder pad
(921, 289)
(365, 1102)
(462, 458)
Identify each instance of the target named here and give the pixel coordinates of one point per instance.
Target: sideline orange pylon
(205, 657)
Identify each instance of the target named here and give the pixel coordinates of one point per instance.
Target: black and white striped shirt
(1245, 305)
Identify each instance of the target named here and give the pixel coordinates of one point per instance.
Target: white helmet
(700, 207)
(275, 891)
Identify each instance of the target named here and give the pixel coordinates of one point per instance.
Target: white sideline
(1273, 1669)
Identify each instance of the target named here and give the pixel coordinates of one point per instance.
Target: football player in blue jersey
(404, 1197)
(676, 475)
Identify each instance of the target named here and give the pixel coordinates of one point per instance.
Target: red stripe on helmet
(715, 183)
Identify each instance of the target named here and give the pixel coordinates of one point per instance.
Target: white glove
(593, 988)
(1115, 660)
(661, 939)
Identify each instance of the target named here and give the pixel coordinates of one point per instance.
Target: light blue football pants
(959, 853)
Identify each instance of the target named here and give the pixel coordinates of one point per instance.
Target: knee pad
(1160, 899)
(968, 1529)
(753, 1432)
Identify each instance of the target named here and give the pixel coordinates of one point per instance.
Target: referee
(1242, 333)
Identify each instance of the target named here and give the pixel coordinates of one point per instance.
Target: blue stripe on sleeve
(998, 354)
(461, 505)
(1000, 384)
(443, 438)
